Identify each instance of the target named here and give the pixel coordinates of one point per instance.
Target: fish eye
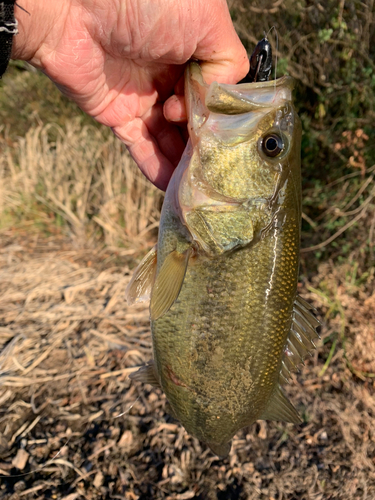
(272, 144)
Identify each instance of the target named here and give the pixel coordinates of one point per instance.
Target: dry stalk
(85, 179)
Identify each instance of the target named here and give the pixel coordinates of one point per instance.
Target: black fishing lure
(260, 63)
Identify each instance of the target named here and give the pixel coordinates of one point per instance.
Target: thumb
(222, 55)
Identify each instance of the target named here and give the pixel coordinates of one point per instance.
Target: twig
(31, 426)
(349, 176)
(61, 461)
(356, 210)
(124, 371)
(32, 490)
(344, 43)
(272, 10)
(310, 221)
(338, 213)
(332, 238)
(360, 191)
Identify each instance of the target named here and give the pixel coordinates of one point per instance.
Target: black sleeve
(8, 28)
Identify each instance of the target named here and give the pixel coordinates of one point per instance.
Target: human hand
(122, 62)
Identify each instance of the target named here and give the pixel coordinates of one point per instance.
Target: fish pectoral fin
(168, 283)
(220, 229)
(139, 288)
(280, 408)
(301, 337)
(146, 374)
(221, 450)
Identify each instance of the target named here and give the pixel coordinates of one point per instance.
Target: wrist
(36, 27)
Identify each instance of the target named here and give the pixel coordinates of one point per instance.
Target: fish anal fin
(139, 288)
(146, 374)
(300, 342)
(221, 450)
(280, 408)
(168, 283)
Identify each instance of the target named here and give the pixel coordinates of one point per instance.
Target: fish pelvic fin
(221, 450)
(301, 338)
(280, 408)
(140, 286)
(146, 374)
(168, 283)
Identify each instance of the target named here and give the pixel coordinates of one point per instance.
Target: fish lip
(202, 99)
(248, 97)
(283, 81)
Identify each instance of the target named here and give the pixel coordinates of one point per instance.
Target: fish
(228, 327)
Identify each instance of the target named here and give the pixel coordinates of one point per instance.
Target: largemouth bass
(227, 324)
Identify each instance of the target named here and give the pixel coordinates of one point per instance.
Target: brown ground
(73, 426)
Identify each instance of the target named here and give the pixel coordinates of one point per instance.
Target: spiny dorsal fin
(221, 450)
(168, 283)
(301, 338)
(280, 408)
(146, 374)
(139, 288)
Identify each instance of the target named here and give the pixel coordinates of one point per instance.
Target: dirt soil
(73, 426)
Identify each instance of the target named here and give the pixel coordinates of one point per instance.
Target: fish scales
(224, 300)
(216, 339)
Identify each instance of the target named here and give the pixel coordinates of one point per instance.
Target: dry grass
(75, 177)
(58, 292)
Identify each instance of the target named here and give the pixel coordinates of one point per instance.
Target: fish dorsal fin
(168, 283)
(301, 338)
(280, 408)
(221, 450)
(139, 288)
(146, 374)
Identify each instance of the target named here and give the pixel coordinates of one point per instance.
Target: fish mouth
(231, 112)
(229, 99)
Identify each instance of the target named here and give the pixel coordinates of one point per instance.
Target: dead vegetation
(72, 176)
